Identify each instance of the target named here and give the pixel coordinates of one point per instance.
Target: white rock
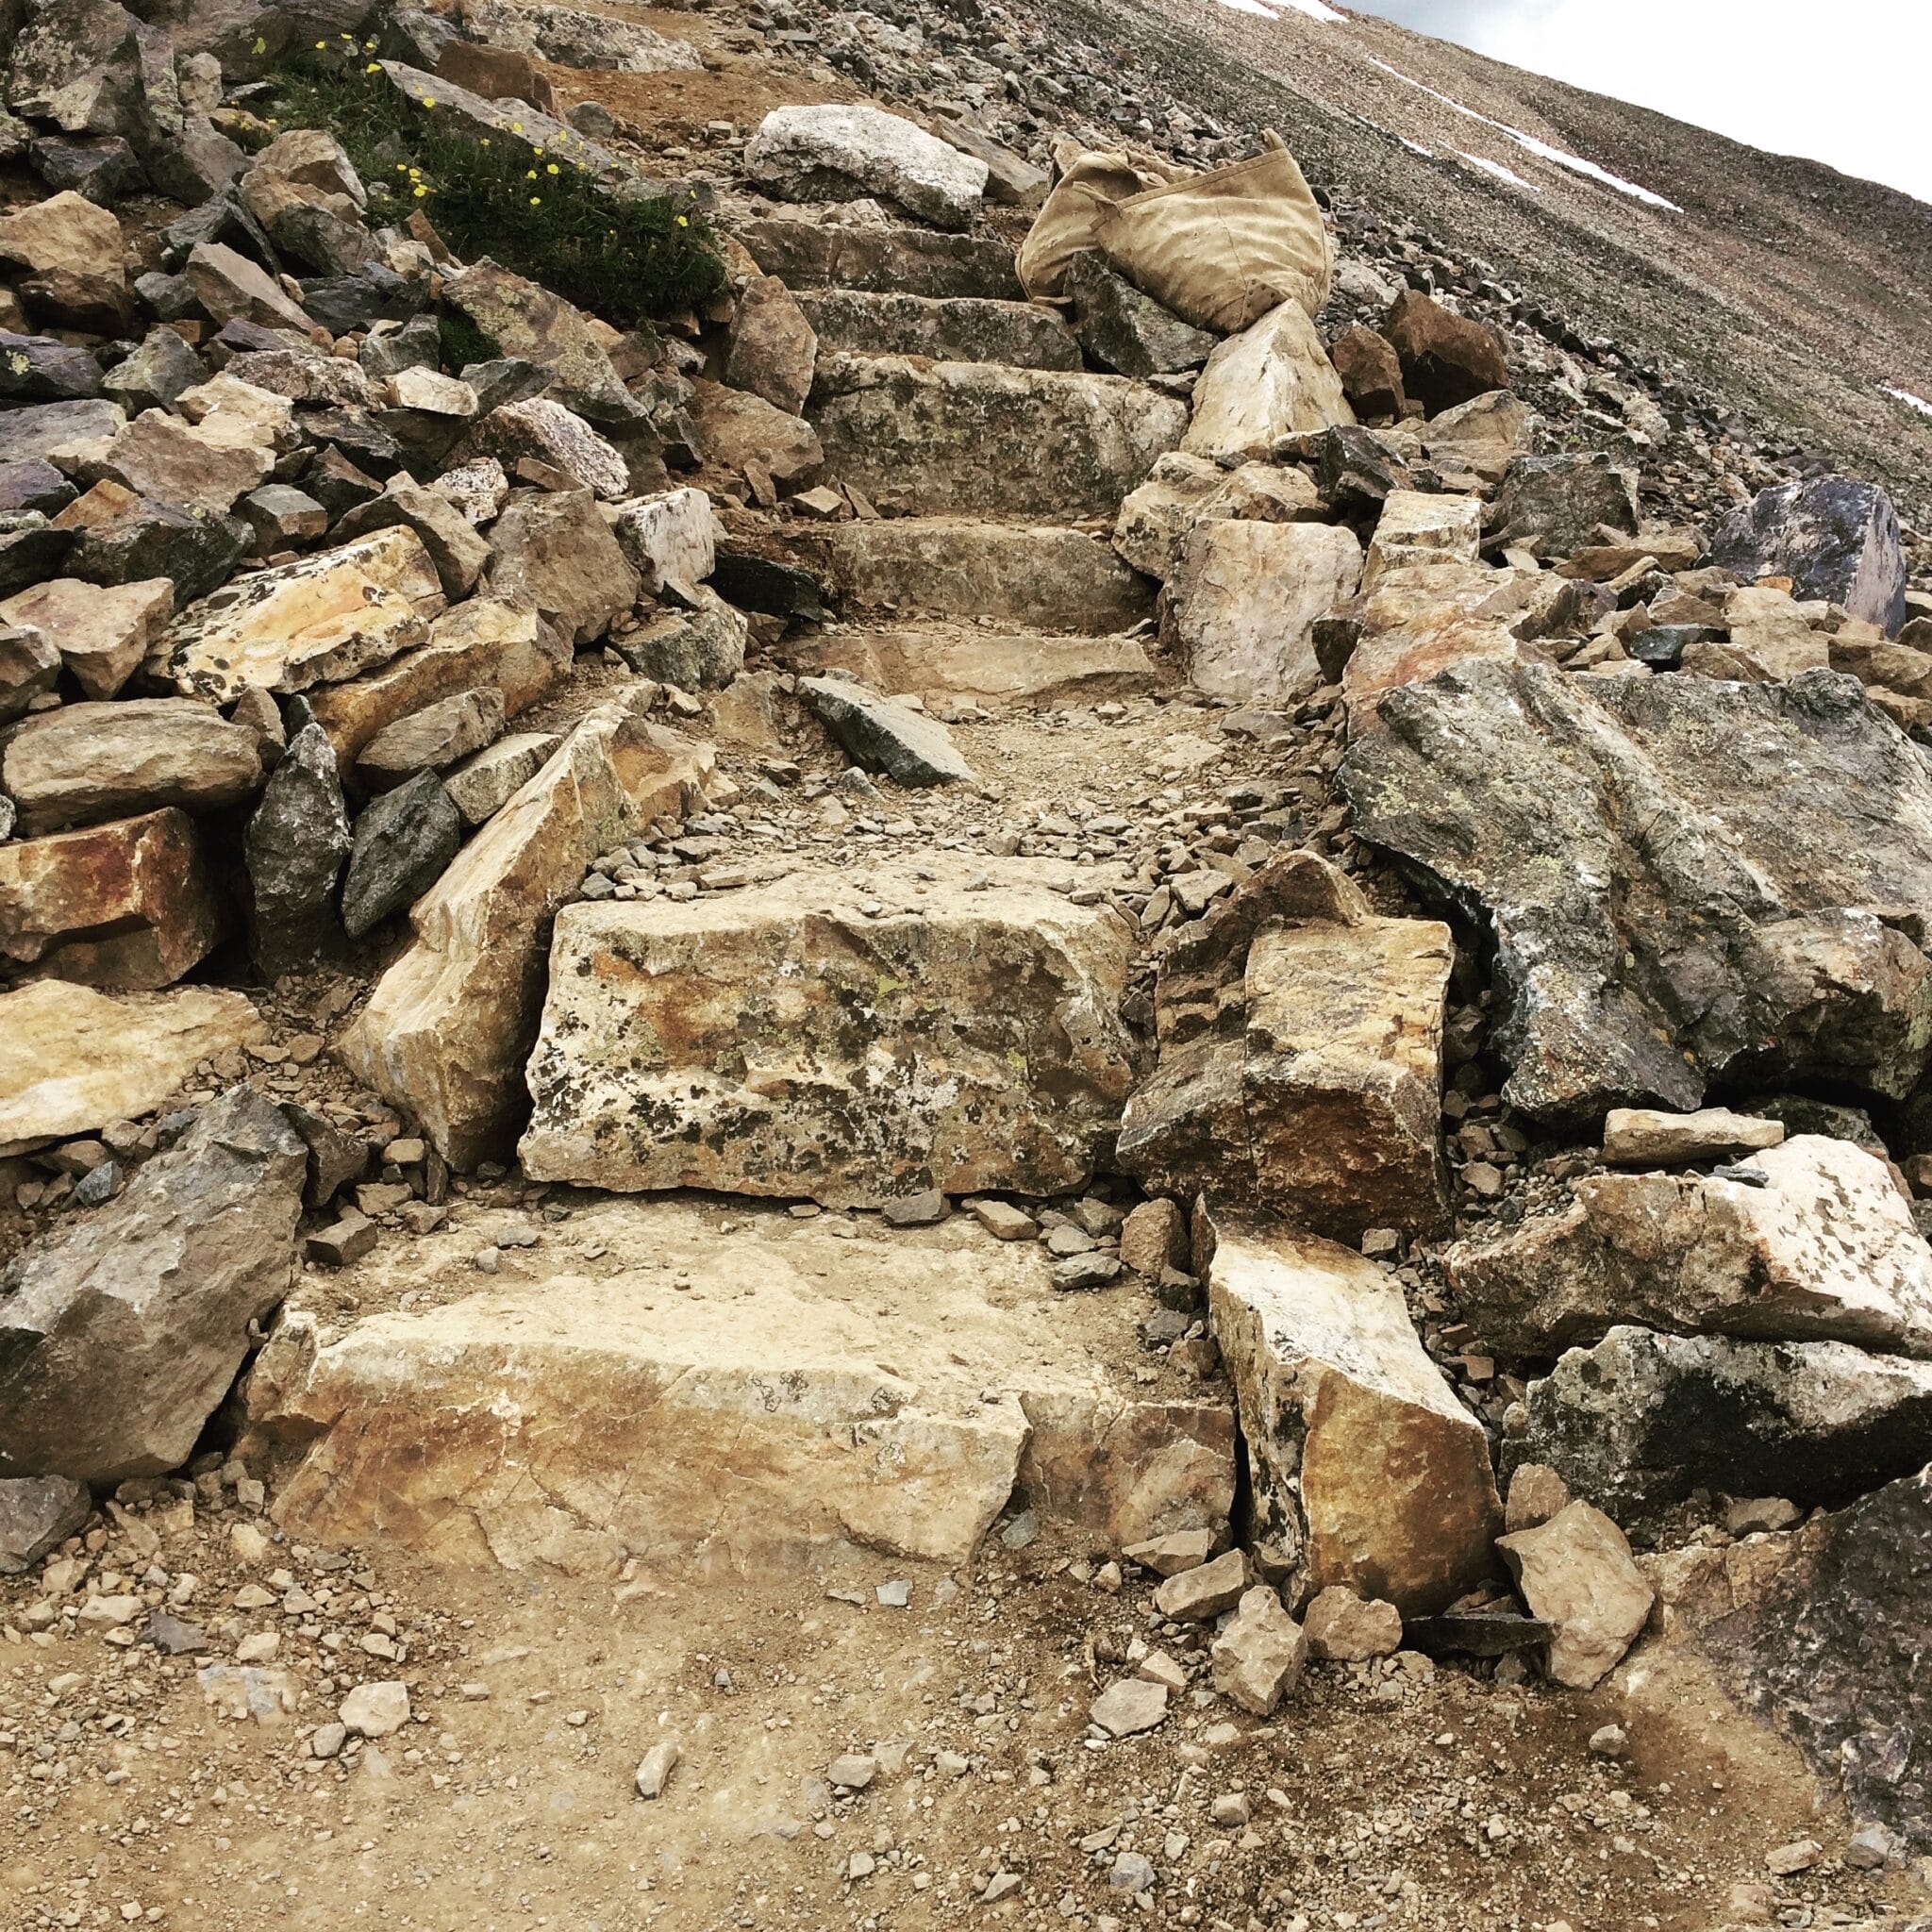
(672, 534)
(656, 1767)
(1272, 381)
(1417, 527)
(375, 1710)
(833, 153)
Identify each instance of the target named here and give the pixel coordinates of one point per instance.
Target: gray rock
(1567, 501)
(1637, 1423)
(402, 843)
(909, 261)
(171, 1636)
(529, 322)
(432, 739)
(31, 552)
(119, 1338)
(833, 153)
(484, 784)
(143, 538)
(946, 329)
(697, 650)
(1756, 942)
(883, 735)
(38, 369)
(42, 428)
(34, 484)
(282, 516)
(37, 1512)
(1131, 1706)
(1128, 331)
(295, 846)
(1836, 539)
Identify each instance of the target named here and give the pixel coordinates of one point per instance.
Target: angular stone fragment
(73, 1060)
(1563, 504)
(400, 846)
(556, 553)
(485, 640)
(1058, 579)
(449, 1025)
(38, 369)
(485, 782)
(1129, 1706)
(1822, 1247)
(283, 517)
(786, 1041)
(295, 846)
(698, 649)
(432, 739)
(86, 762)
(1370, 372)
(36, 1513)
(1415, 528)
(1446, 358)
(120, 538)
(127, 907)
(1183, 491)
(1344, 1629)
(672, 534)
(717, 1428)
(315, 621)
(544, 431)
(29, 667)
(71, 263)
(882, 735)
(574, 39)
(1208, 1590)
(1575, 1572)
(940, 437)
(1245, 599)
(912, 261)
(858, 321)
(774, 348)
(375, 1710)
(119, 1338)
(231, 287)
(1365, 1468)
(1272, 381)
(527, 321)
(1836, 539)
(1125, 331)
(1642, 1136)
(1757, 942)
(835, 153)
(101, 633)
(160, 457)
(456, 552)
(1257, 1659)
(1637, 1423)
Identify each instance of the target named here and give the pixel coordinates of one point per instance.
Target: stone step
(961, 328)
(1041, 575)
(964, 661)
(928, 438)
(695, 1382)
(911, 262)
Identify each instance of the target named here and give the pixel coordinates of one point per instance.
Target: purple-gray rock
(1684, 879)
(120, 1337)
(36, 1513)
(295, 846)
(34, 484)
(1570, 502)
(198, 549)
(38, 369)
(402, 843)
(1836, 538)
(155, 374)
(31, 551)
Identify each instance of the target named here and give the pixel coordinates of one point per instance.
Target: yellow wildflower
(550, 167)
(421, 190)
(535, 201)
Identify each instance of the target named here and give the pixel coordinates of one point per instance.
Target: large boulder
(119, 1338)
(449, 1025)
(314, 620)
(525, 319)
(127, 907)
(72, 1059)
(942, 437)
(1639, 1422)
(794, 1040)
(1243, 602)
(1808, 1241)
(1271, 382)
(71, 263)
(86, 762)
(1836, 539)
(1365, 1470)
(838, 153)
(1446, 358)
(1761, 939)
(553, 551)
(737, 1432)
(887, 261)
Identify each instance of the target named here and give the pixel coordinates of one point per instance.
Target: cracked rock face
(798, 1039)
(1824, 1249)
(1663, 868)
(1834, 537)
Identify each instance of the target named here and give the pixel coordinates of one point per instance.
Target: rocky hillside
(891, 1030)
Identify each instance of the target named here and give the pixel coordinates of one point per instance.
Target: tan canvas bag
(1067, 222)
(1221, 250)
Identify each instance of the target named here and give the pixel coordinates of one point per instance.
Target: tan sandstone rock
(1272, 381)
(787, 1040)
(1256, 1660)
(448, 1026)
(72, 1059)
(1365, 1468)
(101, 631)
(1644, 1137)
(315, 621)
(1576, 1572)
(1344, 1629)
(1418, 527)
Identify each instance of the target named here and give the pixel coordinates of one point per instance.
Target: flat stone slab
(852, 1043)
(652, 1384)
(967, 661)
(72, 1059)
(862, 321)
(1042, 576)
(914, 261)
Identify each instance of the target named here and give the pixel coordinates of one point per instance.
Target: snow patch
(1909, 400)
(1562, 158)
(1273, 9)
(1252, 7)
(1496, 167)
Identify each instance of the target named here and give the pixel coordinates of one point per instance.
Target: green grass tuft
(629, 261)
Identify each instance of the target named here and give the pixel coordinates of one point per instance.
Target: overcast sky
(1843, 81)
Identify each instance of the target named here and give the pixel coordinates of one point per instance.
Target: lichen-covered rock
(1836, 539)
(1641, 1420)
(942, 437)
(295, 846)
(787, 1040)
(400, 845)
(1821, 1248)
(1758, 941)
(127, 907)
(835, 153)
(1365, 1468)
(525, 319)
(951, 328)
(315, 621)
(1567, 503)
(119, 1338)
